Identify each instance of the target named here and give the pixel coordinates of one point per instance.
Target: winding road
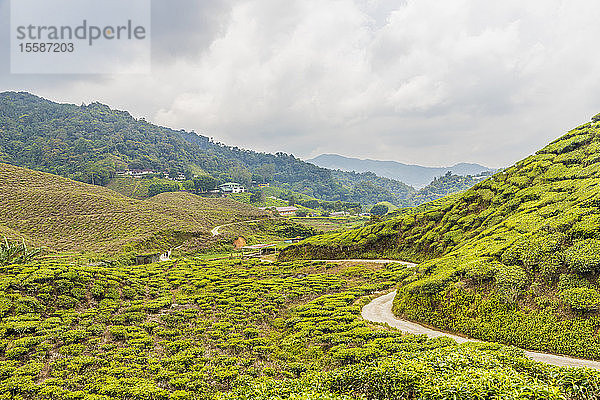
(380, 310)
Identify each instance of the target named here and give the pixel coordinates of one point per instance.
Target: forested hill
(89, 143)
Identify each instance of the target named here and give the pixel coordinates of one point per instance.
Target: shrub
(16, 253)
(482, 270)
(584, 256)
(581, 299)
(511, 280)
(571, 281)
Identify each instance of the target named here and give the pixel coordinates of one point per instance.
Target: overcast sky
(428, 82)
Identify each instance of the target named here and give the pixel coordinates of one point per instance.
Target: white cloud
(422, 81)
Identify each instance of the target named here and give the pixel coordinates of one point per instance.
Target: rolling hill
(414, 175)
(66, 215)
(515, 259)
(90, 143)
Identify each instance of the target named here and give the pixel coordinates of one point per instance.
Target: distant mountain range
(414, 175)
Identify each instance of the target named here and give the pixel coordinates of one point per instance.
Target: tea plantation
(66, 215)
(515, 259)
(189, 329)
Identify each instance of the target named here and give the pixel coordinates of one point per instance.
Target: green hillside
(515, 259)
(187, 329)
(65, 215)
(90, 143)
(443, 186)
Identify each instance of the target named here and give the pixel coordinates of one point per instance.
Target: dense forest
(90, 143)
(443, 186)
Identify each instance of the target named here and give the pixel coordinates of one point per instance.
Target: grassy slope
(209, 211)
(515, 259)
(68, 215)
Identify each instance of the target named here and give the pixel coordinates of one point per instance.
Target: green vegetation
(90, 143)
(515, 259)
(16, 253)
(328, 224)
(277, 197)
(268, 230)
(142, 188)
(379, 209)
(368, 188)
(443, 186)
(239, 330)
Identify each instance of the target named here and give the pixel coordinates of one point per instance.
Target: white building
(290, 210)
(232, 187)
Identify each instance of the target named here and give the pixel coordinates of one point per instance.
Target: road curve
(380, 310)
(215, 230)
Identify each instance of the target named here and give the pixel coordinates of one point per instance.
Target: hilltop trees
(379, 209)
(204, 183)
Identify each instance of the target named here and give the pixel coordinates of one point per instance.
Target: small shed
(239, 243)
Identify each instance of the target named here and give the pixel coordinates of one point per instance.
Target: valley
(509, 261)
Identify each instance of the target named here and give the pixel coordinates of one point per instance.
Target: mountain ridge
(417, 176)
(90, 143)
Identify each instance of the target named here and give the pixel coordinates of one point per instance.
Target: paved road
(380, 310)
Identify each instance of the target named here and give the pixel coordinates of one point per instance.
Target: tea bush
(191, 329)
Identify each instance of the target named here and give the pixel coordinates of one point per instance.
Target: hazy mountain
(90, 143)
(414, 175)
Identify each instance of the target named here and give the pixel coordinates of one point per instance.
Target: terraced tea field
(190, 329)
(65, 215)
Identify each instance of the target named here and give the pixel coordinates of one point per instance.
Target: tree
(204, 183)
(241, 175)
(162, 187)
(301, 213)
(379, 209)
(188, 185)
(257, 197)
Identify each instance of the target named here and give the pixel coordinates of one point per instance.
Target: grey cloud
(423, 81)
